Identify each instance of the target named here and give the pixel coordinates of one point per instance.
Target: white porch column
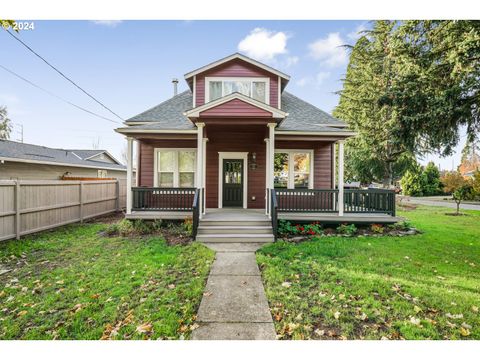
(271, 154)
(334, 167)
(340, 178)
(204, 172)
(199, 174)
(129, 174)
(267, 175)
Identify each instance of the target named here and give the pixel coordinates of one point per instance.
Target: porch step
(234, 229)
(206, 222)
(235, 238)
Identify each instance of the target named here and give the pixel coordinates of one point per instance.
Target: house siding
(236, 108)
(236, 68)
(230, 138)
(323, 159)
(11, 170)
(146, 156)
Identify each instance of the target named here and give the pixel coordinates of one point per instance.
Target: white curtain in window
(258, 91)
(215, 90)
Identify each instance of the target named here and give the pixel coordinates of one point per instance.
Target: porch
(302, 205)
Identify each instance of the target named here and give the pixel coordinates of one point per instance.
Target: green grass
(75, 284)
(425, 286)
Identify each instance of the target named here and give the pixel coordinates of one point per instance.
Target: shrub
(188, 225)
(346, 229)
(413, 182)
(464, 192)
(452, 180)
(286, 228)
(124, 227)
(377, 228)
(431, 178)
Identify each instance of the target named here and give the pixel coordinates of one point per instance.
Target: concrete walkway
(234, 306)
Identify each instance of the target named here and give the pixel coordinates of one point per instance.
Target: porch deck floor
(233, 214)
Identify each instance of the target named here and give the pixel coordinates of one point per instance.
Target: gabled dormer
(237, 74)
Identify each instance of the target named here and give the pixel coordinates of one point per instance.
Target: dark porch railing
(162, 199)
(274, 213)
(372, 201)
(197, 198)
(307, 200)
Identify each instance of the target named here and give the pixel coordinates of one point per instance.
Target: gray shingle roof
(13, 149)
(169, 113)
(302, 116)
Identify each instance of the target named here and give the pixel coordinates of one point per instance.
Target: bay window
(293, 169)
(175, 168)
(255, 88)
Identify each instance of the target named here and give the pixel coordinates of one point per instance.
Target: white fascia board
(276, 113)
(129, 130)
(236, 56)
(334, 133)
(57, 164)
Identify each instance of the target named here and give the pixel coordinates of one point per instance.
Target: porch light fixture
(253, 161)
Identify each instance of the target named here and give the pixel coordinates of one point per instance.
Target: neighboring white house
(20, 161)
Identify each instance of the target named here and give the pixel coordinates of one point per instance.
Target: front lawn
(73, 283)
(425, 286)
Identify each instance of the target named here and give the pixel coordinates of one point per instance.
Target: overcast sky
(128, 65)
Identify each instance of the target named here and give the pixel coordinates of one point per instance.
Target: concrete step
(230, 229)
(233, 238)
(235, 223)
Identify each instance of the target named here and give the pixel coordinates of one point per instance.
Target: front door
(232, 183)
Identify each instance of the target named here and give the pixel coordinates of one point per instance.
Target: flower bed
(300, 232)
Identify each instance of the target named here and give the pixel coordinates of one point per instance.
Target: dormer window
(255, 88)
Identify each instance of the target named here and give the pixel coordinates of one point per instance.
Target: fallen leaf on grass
(171, 286)
(144, 328)
(415, 321)
(454, 316)
(336, 315)
(286, 284)
(475, 309)
(59, 282)
(76, 308)
(95, 296)
(466, 326)
(194, 326)
(22, 313)
(417, 309)
(464, 332)
(319, 332)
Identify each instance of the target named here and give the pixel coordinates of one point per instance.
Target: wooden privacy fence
(28, 206)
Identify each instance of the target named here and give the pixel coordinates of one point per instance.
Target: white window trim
(176, 174)
(251, 79)
(291, 166)
(236, 156)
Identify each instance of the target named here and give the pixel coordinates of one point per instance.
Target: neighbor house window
(102, 174)
(255, 88)
(293, 169)
(175, 168)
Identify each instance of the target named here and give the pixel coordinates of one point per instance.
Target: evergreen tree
(437, 88)
(376, 153)
(5, 123)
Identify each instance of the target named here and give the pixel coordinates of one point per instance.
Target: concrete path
(234, 306)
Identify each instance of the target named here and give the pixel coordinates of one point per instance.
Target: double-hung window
(293, 169)
(255, 88)
(175, 168)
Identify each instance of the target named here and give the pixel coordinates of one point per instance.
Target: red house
(237, 152)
